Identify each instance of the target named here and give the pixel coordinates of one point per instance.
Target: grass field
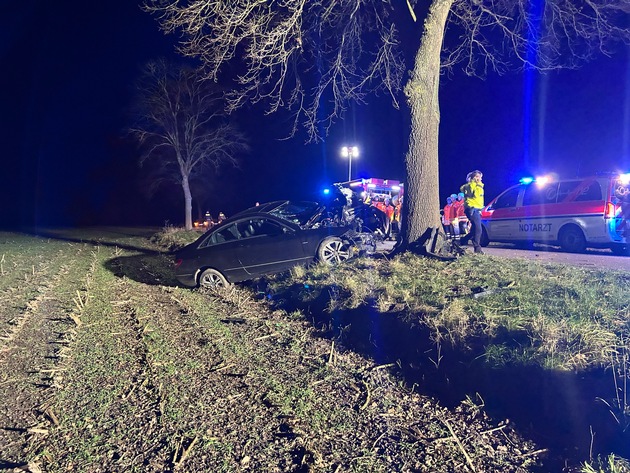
(106, 364)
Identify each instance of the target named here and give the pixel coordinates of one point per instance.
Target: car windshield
(296, 212)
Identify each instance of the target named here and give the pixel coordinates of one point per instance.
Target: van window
(537, 195)
(507, 199)
(579, 191)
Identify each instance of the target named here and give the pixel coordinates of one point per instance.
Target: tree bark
(187, 202)
(422, 198)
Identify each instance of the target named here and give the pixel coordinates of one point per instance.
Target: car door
(501, 216)
(220, 251)
(268, 246)
(539, 216)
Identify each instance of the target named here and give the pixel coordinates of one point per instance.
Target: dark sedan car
(270, 238)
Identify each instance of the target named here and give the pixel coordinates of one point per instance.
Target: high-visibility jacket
(473, 194)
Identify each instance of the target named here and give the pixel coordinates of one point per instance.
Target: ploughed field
(107, 365)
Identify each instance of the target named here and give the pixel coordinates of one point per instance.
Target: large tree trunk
(422, 200)
(187, 202)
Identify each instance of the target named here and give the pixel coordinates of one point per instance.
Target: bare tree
(182, 126)
(299, 54)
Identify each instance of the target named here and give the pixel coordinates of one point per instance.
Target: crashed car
(266, 239)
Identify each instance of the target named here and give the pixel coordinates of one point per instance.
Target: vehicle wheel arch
(485, 239)
(209, 273)
(571, 237)
(334, 249)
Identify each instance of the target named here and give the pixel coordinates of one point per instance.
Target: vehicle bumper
(188, 280)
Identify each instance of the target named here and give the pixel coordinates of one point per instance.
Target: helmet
(449, 200)
(460, 196)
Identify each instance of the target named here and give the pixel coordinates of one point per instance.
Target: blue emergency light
(326, 191)
(526, 180)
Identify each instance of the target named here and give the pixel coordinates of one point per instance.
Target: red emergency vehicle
(574, 213)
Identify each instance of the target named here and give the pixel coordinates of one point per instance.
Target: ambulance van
(573, 213)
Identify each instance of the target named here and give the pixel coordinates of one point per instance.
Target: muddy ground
(107, 365)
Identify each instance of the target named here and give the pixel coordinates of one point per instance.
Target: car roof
(262, 208)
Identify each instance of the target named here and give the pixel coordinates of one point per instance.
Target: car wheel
(572, 239)
(334, 250)
(211, 278)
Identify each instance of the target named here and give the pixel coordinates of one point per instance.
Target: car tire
(333, 250)
(572, 239)
(212, 279)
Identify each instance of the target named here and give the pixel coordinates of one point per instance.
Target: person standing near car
(473, 204)
(447, 216)
(461, 216)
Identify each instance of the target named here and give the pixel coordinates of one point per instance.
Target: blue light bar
(326, 191)
(526, 180)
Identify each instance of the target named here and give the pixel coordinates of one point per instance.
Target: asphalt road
(597, 259)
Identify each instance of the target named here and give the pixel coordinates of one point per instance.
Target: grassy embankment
(153, 377)
(554, 323)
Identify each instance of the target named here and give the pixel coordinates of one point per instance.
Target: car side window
(256, 227)
(229, 233)
(507, 199)
(540, 195)
(579, 191)
(269, 227)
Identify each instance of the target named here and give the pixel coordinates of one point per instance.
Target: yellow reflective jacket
(473, 194)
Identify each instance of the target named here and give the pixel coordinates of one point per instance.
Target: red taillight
(609, 211)
(178, 262)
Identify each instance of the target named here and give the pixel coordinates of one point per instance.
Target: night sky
(68, 69)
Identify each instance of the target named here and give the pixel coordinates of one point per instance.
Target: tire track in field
(229, 419)
(162, 341)
(29, 361)
(22, 293)
(109, 382)
(190, 376)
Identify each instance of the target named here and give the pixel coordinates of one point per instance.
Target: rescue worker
(389, 213)
(447, 214)
(461, 215)
(473, 204)
(208, 219)
(454, 217)
(397, 203)
(379, 203)
(221, 217)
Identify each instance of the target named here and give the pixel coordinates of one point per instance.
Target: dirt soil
(107, 365)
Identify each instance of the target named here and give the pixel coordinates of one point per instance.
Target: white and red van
(574, 213)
